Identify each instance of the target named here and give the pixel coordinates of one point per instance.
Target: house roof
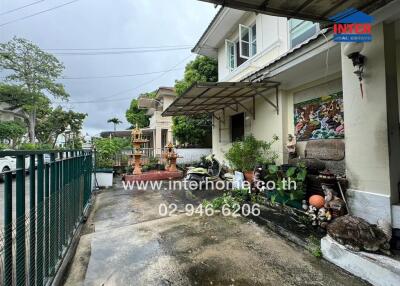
(220, 26)
(165, 91)
(323, 37)
(152, 103)
(312, 10)
(123, 133)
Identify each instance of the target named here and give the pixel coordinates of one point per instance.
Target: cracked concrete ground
(127, 242)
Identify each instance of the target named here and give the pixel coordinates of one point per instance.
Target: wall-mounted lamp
(353, 52)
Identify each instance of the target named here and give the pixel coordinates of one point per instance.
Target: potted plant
(244, 155)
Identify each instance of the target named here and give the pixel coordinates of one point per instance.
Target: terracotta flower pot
(249, 176)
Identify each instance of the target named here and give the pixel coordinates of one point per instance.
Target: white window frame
(228, 44)
(243, 42)
(253, 39)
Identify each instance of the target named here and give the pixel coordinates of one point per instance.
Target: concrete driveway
(127, 242)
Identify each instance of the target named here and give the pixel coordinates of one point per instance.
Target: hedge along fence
(49, 205)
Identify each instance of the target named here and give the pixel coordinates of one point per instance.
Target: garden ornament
(329, 195)
(312, 214)
(304, 205)
(291, 146)
(258, 184)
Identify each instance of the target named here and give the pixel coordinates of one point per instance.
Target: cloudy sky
(125, 29)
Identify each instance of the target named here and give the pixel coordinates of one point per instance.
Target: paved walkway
(128, 243)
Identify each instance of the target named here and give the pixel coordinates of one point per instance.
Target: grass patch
(314, 246)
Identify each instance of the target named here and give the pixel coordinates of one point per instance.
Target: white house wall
(268, 47)
(371, 168)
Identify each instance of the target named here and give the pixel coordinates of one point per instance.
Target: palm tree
(114, 121)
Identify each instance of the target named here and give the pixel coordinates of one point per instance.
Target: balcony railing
(49, 206)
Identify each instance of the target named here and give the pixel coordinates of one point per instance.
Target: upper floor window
(300, 30)
(243, 48)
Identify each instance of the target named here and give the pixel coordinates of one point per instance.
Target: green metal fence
(42, 209)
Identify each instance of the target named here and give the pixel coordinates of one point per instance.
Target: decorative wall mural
(320, 118)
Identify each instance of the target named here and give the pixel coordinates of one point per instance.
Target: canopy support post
(274, 105)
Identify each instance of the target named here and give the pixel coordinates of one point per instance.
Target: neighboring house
(274, 78)
(159, 131)
(7, 114)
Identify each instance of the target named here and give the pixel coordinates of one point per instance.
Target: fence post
(20, 221)
(53, 226)
(8, 257)
(62, 190)
(32, 220)
(40, 221)
(47, 221)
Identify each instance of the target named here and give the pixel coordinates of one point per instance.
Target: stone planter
(104, 178)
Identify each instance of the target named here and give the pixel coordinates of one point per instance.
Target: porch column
(157, 142)
(372, 128)
(169, 136)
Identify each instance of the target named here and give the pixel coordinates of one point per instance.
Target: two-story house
(280, 76)
(243, 43)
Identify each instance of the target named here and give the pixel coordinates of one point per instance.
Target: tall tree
(195, 130)
(36, 72)
(114, 121)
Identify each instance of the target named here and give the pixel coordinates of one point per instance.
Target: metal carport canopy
(207, 98)
(313, 10)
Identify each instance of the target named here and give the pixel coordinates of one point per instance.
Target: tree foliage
(202, 69)
(35, 73)
(12, 131)
(56, 122)
(194, 130)
(114, 121)
(134, 115)
(107, 149)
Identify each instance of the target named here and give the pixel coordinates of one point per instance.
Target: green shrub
(314, 246)
(12, 131)
(106, 151)
(245, 155)
(219, 202)
(287, 195)
(4, 146)
(32, 146)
